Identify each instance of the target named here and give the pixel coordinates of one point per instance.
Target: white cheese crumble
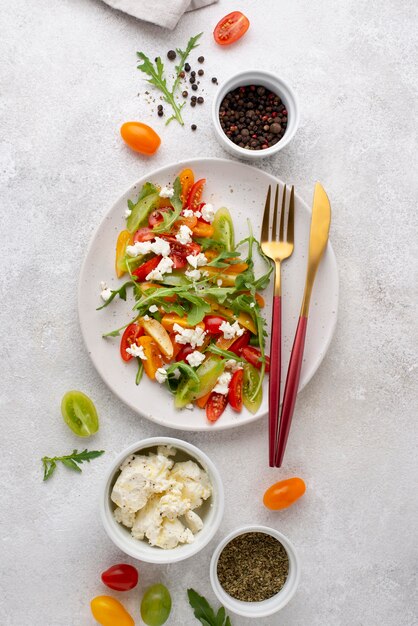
(184, 235)
(165, 266)
(252, 305)
(219, 282)
(193, 274)
(161, 375)
(146, 317)
(232, 365)
(208, 213)
(166, 192)
(189, 406)
(135, 350)
(128, 213)
(222, 385)
(194, 336)
(195, 358)
(153, 308)
(197, 260)
(231, 330)
(187, 213)
(105, 292)
(158, 246)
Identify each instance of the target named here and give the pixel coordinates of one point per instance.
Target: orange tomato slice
(203, 230)
(124, 239)
(154, 358)
(187, 182)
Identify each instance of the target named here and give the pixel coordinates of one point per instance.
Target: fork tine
(276, 204)
(266, 218)
(281, 236)
(291, 218)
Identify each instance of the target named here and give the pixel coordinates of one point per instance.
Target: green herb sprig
(204, 612)
(72, 461)
(155, 71)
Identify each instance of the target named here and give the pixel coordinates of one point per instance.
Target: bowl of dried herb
(255, 571)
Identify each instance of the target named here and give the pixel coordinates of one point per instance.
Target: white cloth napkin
(165, 13)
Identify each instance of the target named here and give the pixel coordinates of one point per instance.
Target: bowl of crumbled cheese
(162, 500)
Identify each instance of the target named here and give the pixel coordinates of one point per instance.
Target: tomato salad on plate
(197, 327)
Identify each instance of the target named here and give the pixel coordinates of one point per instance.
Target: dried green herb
(253, 567)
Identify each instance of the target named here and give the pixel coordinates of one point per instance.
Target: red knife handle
(275, 372)
(291, 389)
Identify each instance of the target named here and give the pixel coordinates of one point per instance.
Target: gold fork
(277, 248)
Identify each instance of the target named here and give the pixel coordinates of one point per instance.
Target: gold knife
(320, 223)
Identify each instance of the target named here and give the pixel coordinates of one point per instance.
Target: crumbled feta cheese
(252, 305)
(219, 282)
(105, 292)
(184, 235)
(232, 365)
(231, 330)
(160, 246)
(139, 248)
(208, 213)
(222, 385)
(197, 260)
(166, 192)
(194, 336)
(193, 274)
(189, 406)
(161, 375)
(128, 213)
(146, 317)
(153, 308)
(198, 214)
(165, 266)
(188, 213)
(195, 358)
(135, 350)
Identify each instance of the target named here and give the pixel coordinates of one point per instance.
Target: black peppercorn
(201, 59)
(192, 103)
(171, 54)
(214, 80)
(200, 100)
(200, 72)
(184, 93)
(187, 67)
(192, 79)
(193, 126)
(192, 73)
(194, 87)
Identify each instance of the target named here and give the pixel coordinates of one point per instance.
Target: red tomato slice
(235, 390)
(143, 270)
(215, 406)
(240, 343)
(184, 351)
(252, 355)
(179, 261)
(156, 216)
(195, 194)
(231, 28)
(179, 251)
(212, 324)
(131, 334)
(144, 234)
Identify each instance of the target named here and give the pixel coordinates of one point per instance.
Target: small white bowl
(211, 510)
(265, 607)
(276, 85)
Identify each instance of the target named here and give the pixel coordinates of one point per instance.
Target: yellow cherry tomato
(124, 239)
(187, 182)
(140, 137)
(284, 493)
(110, 612)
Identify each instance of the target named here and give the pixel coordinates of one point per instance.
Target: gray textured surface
(68, 80)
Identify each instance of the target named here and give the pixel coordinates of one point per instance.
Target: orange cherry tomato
(231, 28)
(154, 358)
(124, 239)
(187, 182)
(202, 402)
(140, 137)
(108, 611)
(237, 268)
(202, 229)
(190, 222)
(284, 493)
(169, 319)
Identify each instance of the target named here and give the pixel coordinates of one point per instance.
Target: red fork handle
(275, 372)
(291, 389)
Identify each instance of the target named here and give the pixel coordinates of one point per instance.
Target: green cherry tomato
(156, 605)
(224, 228)
(79, 413)
(249, 385)
(208, 373)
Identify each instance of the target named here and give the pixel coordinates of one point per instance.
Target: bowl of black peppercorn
(255, 114)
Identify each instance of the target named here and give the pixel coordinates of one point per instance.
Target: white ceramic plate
(242, 189)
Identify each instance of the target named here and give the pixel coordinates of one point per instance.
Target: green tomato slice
(79, 413)
(146, 202)
(208, 373)
(224, 228)
(156, 605)
(249, 385)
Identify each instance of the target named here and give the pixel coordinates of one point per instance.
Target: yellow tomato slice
(124, 239)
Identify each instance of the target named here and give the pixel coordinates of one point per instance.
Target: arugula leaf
(204, 612)
(169, 217)
(183, 368)
(198, 309)
(139, 372)
(225, 353)
(72, 461)
(207, 242)
(121, 292)
(219, 293)
(223, 256)
(157, 78)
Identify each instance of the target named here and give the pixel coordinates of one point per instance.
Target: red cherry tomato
(157, 216)
(121, 577)
(284, 493)
(144, 234)
(195, 194)
(143, 270)
(215, 406)
(212, 324)
(183, 352)
(252, 355)
(235, 390)
(131, 334)
(240, 343)
(140, 137)
(179, 251)
(231, 28)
